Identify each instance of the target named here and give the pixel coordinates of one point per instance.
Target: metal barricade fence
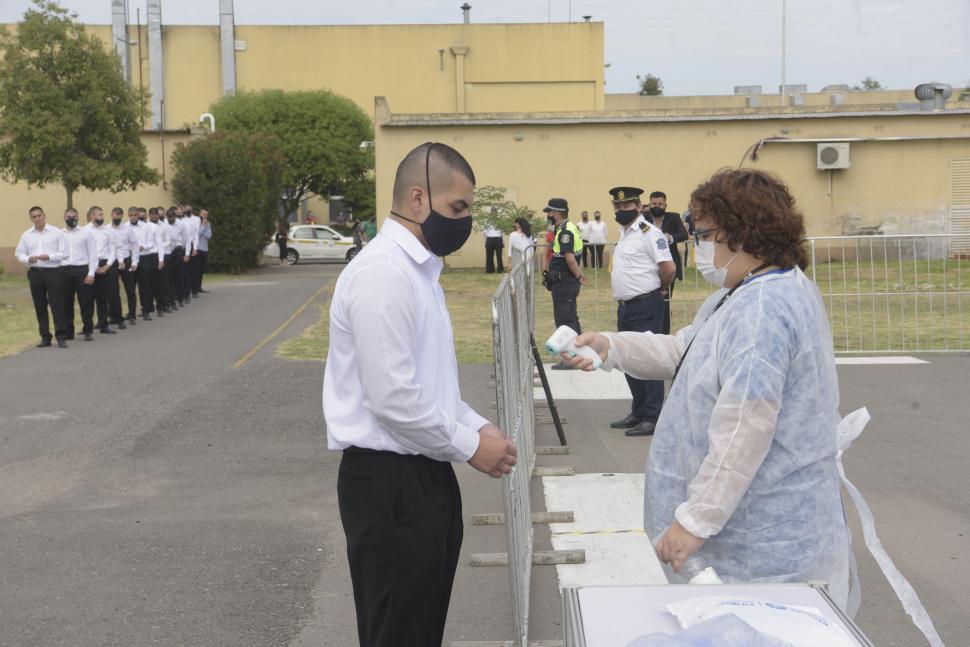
(511, 327)
(883, 293)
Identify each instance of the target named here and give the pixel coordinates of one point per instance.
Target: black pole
(545, 387)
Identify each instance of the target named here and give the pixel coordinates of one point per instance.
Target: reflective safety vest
(568, 234)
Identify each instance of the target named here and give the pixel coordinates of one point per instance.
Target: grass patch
(18, 323)
(903, 306)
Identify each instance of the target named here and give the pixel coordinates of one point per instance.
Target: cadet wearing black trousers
(642, 271)
(42, 248)
(77, 274)
(673, 229)
(564, 277)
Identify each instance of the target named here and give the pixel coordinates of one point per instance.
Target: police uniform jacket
(636, 260)
(567, 239)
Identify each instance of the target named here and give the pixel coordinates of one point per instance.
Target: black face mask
(99, 221)
(656, 212)
(626, 216)
(443, 235)
(551, 220)
(71, 222)
(116, 221)
(597, 218)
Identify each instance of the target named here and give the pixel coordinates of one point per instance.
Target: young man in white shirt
(127, 254)
(392, 404)
(77, 273)
(597, 240)
(107, 272)
(42, 248)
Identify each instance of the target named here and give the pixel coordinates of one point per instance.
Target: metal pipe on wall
(119, 32)
(156, 75)
(227, 46)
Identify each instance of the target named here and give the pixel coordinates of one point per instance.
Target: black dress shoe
(627, 423)
(204, 291)
(643, 429)
(159, 314)
(61, 343)
(122, 325)
(146, 317)
(562, 367)
(88, 337)
(69, 337)
(44, 343)
(107, 331)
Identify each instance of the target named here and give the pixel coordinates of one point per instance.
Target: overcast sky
(694, 46)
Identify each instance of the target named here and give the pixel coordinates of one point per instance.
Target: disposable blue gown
(744, 453)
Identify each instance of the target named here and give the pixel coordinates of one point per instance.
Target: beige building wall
(900, 184)
(17, 199)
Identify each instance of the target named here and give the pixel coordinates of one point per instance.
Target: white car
(314, 243)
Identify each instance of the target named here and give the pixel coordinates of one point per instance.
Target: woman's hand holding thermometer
(586, 352)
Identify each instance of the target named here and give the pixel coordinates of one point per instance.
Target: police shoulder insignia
(661, 243)
(565, 238)
(643, 226)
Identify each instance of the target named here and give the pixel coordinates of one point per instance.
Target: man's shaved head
(445, 161)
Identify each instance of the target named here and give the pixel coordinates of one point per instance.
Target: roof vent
(466, 12)
(933, 96)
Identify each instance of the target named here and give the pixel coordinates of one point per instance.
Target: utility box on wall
(831, 156)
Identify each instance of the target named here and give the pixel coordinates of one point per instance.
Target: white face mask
(704, 255)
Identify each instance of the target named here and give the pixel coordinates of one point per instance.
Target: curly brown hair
(754, 212)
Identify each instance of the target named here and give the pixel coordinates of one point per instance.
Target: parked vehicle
(309, 243)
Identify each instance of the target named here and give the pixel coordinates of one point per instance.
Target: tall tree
(650, 85)
(320, 132)
(67, 116)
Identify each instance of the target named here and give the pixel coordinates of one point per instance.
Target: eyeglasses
(701, 233)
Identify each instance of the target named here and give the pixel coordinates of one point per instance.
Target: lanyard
(716, 308)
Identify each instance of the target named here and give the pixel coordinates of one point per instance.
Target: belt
(639, 297)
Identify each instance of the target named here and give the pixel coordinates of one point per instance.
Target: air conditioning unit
(834, 155)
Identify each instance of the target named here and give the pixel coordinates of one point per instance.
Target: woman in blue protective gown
(742, 467)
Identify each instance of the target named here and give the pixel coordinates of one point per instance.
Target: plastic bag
(799, 626)
(723, 631)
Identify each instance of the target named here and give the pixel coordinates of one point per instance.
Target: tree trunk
(70, 195)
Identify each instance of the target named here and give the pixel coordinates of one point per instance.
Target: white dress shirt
(147, 233)
(491, 231)
(584, 230)
(597, 233)
(50, 241)
(178, 236)
(82, 249)
(193, 223)
(102, 242)
(391, 381)
(636, 260)
(164, 237)
(520, 244)
(124, 242)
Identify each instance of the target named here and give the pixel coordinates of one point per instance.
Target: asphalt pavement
(153, 494)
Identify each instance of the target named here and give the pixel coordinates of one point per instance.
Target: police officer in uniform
(564, 277)
(642, 273)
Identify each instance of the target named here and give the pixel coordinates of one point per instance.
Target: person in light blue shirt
(742, 469)
(205, 233)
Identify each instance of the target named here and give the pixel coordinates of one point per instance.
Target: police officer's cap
(557, 204)
(625, 193)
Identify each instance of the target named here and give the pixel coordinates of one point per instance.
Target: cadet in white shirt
(127, 252)
(642, 271)
(177, 269)
(193, 223)
(493, 249)
(107, 272)
(77, 273)
(164, 296)
(584, 225)
(42, 248)
(392, 404)
(148, 283)
(597, 240)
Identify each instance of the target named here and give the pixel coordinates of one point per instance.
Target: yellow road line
(245, 358)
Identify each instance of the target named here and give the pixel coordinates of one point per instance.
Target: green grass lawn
(908, 306)
(18, 324)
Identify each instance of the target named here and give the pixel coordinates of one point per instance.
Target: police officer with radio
(643, 271)
(564, 277)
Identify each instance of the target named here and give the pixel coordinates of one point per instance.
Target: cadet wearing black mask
(673, 227)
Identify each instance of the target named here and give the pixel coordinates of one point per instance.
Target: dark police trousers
(74, 286)
(402, 518)
(102, 291)
(46, 288)
(564, 295)
(493, 248)
(643, 314)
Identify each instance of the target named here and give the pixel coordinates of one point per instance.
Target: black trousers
(596, 256)
(670, 295)
(646, 314)
(192, 273)
(493, 246)
(584, 257)
(564, 295)
(102, 291)
(148, 282)
(203, 263)
(129, 279)
(47, 290)
(166, 283)
(179, 278)
(73, 277)
(402, 518)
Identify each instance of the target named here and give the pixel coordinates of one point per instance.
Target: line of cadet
(159, 255)
(646, 262)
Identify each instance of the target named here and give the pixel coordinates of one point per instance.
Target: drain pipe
(119, 34)
(156, 65)
(227, 47)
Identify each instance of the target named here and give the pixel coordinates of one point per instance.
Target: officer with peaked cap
(564, 277)
(642, 272)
